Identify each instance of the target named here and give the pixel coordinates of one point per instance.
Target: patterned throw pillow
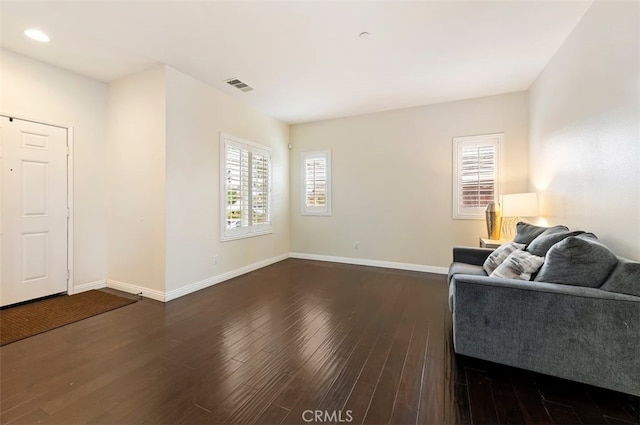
(499, 255)
(518, 265)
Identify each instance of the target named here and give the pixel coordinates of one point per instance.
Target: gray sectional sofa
(589, 334)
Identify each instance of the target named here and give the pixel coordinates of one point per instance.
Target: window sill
(246, 235)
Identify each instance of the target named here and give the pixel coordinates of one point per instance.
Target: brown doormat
(30, 319)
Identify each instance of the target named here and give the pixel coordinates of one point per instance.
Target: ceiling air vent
(240, 85)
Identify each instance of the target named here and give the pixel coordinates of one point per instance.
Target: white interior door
(34, 210)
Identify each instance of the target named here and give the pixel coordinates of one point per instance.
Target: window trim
(494, 139)
(317, 211)
(251, 230)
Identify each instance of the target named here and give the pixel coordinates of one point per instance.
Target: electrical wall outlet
(215, 260)
(356, 245)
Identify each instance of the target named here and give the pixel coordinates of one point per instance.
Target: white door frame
(69, 128)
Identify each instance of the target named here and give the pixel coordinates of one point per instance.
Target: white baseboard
(373, 263)
(196, 286)
(135, 289)
(83, 287)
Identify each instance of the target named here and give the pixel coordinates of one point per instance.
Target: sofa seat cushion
(464, 268)
(625, 278)
(578, 260)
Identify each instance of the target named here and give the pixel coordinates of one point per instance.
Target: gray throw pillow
(540, 245)
(499, 255)
(518, 265)
(525, 232)
(578, 260)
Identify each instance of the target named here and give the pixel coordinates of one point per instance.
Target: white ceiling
(304, 58)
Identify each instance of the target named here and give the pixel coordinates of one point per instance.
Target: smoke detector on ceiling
(240, 85)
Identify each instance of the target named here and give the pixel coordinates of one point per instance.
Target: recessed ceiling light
(364, 35)
(37, 35)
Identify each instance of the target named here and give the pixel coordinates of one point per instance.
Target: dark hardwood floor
(295, 341)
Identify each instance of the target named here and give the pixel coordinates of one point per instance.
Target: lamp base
(509, 227)
(494, 220)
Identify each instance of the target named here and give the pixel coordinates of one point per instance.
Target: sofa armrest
(583, 334)
(470, 255)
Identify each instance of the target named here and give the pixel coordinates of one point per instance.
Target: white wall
(392, 174)
(34, 90)
(136, 180)
(196, 114)
(584, 142)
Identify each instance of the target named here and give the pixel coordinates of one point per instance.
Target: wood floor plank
(355, 356)
(309, 397)
(343, 385)
(33, 417)
(431, 409)
(68, 406)
(569, 394)
(384, 396)
(68, 382)
(360, 398)
(529, 399)
(610, 404)
(260, 401)
(407, 401)
(332, 346)
(481, 401)
(456, 394)
(561, 414)
(504, 396)
(326, 376)
(341, 356)
(158, 395)
(209, 393)
(306, 323)
(217, 383)
(460, 412)
(273, 415)
(221, 413)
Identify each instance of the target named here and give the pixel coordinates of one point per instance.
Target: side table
(491, 243)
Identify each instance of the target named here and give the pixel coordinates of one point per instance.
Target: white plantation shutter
(316, 183)
(260, 189)
(245, 188)
(476, 174)
(237, 187)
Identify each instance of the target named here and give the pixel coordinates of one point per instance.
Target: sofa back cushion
(526, 233)
(625, 278)
(541, 244)
(499, 255)
(578, 260)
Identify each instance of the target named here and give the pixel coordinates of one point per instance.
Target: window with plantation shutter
(316, 183)
(245, 188)
(476, 176)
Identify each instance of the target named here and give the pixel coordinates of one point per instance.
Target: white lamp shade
(519, 205)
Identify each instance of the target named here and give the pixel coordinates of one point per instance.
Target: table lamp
(515, 207)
